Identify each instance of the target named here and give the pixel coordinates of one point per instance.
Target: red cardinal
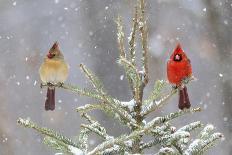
(178, 69)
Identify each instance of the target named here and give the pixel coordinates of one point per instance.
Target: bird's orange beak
(50, 55)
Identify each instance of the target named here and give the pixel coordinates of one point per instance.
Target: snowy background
(86, 32)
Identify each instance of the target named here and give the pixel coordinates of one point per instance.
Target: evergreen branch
(100, 106)
(95, 126)
(191, 126)
(181, 143)
(116, 149)
(57, 145)
(159, 85)
(89, 107)
(199, 146)
(75, 89)
(161, 130)
(136, 133)
(114, 104)
(211, 141)
(121, 36)
(131, 38)
(157, 104)
(165, 138)
(133, 74)
(92, 128)
(159, 120)
(144, 35)
(60, 146)
(167, 151)
(45, 131)
(122, 54)
(207, 131)
(83, 139)
(150, 144)
(131, 71)
(93, 79)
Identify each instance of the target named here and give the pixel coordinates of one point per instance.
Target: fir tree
(132, 113)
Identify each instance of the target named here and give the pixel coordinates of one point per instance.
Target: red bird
(178, 69)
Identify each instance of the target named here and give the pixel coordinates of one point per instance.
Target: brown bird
(53, 71)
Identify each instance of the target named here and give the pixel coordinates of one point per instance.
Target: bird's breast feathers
(54, 71)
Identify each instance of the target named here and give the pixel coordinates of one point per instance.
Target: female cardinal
(54, 70)
(178, 69)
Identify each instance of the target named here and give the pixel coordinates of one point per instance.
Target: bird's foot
(50, 84)
(60, 84)
(42, 85)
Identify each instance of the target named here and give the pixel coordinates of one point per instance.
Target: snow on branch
(121, 36)
(144, 35)
(207, 131)
(133, 112)
(95, 127)
(75, 89)
(144, 130)
(156, 104)
(166, 151)
(57, 145)
(191, 126)
(114, 104)
(199, 146)
(83, 139)
(159, 85)
(47, 132)
(132, 37)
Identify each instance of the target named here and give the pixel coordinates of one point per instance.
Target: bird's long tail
(183, 99)
(50, 100)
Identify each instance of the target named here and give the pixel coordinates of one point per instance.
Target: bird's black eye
(178, 57)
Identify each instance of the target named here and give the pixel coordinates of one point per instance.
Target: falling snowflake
(56, 1)
(35, 82)
(121, 77)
